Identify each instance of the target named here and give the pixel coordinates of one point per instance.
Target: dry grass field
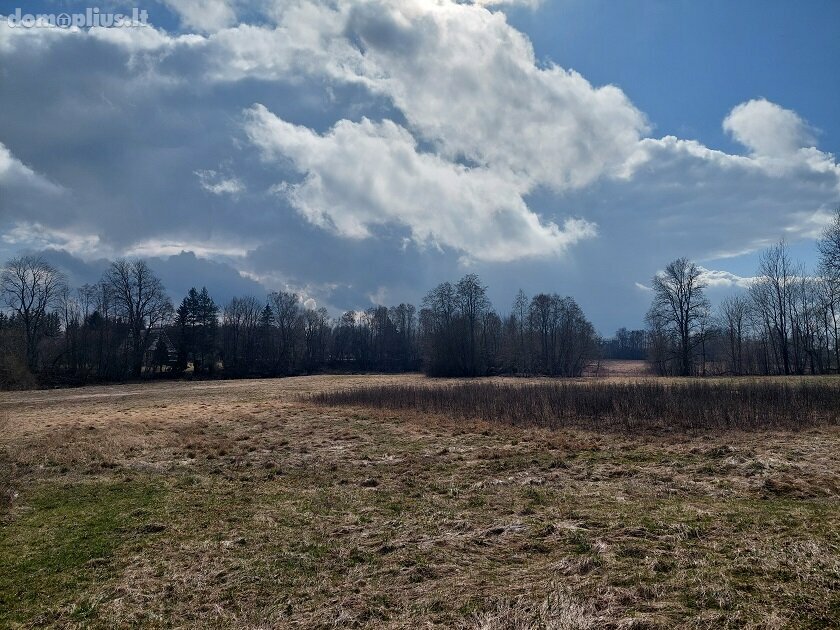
(245, 504)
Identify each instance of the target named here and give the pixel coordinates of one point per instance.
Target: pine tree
(197, 321)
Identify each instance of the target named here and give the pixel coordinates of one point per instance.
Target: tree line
(786, 320)
(126, 327)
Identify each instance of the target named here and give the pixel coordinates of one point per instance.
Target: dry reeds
(691, 405)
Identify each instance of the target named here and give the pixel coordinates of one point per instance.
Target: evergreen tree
(197, 322)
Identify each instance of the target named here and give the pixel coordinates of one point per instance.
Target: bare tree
(315, 331)
(31, 287)
(734, 310)
(239, 340)
(829, 249)
(520, 312)
(772, 294)
(679, 304)
(404, 318)
(565, 339)
(828, 295)
(473, 304)
(287, 318)
(140, 299)
(439, 339)
(541, 321)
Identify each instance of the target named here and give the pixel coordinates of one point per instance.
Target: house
(157, 337)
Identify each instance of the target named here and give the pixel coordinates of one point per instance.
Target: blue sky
(361, 152)
(686, 64)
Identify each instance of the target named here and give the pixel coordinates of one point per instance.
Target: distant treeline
(784, 320)
(126, 327)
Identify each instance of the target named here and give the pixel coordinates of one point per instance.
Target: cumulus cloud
(142, 39)
(767, 129)
(202, 249)
(435, 62)
(469, 82)
(715, 278)
(360, 175)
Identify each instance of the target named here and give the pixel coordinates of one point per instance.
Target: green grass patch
(63, 539)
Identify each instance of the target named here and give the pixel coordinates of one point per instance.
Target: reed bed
(649, 405)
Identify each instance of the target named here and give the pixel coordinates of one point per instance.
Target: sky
(360, 152)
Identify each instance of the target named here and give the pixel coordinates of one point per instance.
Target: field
(254, 504)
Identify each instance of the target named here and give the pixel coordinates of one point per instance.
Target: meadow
(406, 502)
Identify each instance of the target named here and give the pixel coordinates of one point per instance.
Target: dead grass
(640, 406)
(7, 467)
(243, 505)
(620, 368)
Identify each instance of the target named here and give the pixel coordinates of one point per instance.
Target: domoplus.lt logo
(91, 17)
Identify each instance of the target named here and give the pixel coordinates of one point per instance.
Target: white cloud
(379, 297)
(224, 247)
(26, 235)
(278, 281)
(88, 245)
(469, 83)
(216, 183)
(719, 278)
(536, 126)
(366, 174)
(34, 39)
(436, 62)
(713, 279)
(143, 39)
(768, 129)
(204, 15)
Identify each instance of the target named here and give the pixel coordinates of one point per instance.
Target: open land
(249, 504)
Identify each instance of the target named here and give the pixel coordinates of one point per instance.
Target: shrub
(14, 374)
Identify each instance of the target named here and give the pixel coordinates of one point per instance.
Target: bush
(14, 374)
